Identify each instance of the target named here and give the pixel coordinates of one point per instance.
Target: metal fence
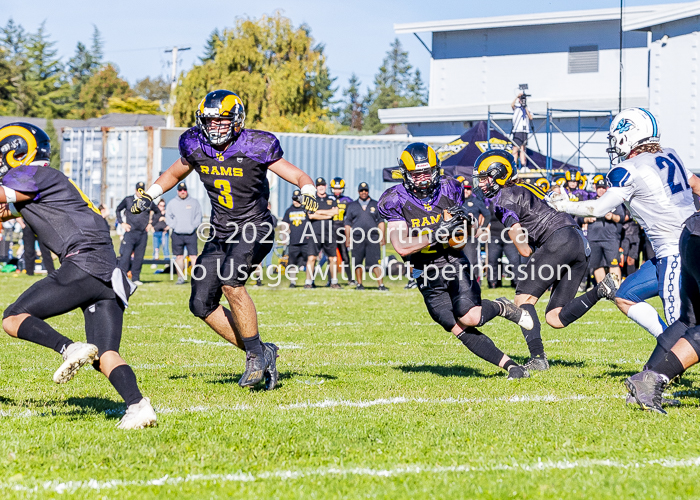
(106, 163)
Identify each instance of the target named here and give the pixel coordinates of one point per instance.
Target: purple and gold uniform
(423, 216)
(580, 195)
(236, 178)
(236, 182)
(447, 298)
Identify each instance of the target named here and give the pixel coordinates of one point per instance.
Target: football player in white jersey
(658, 191)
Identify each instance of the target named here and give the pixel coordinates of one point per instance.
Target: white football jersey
(657, 193)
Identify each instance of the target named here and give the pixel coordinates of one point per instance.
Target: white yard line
(60, 487)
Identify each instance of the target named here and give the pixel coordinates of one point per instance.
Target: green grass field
(375, 401)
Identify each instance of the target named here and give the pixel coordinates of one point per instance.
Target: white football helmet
(631, 127)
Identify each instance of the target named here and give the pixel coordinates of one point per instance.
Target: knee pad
(200, 309)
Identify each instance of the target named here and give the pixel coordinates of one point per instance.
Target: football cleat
(360, 287)
(537, 364)
(271, 375)
(411, 284)
(517, 371)
(312, 285)
(255, 367)
(138, 416)
(75, 356)
(382, 288)
(335, 286)
(607, 288)
(647, 388)
(629, 399)
(513, 313)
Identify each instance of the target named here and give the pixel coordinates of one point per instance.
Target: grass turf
(374, 401)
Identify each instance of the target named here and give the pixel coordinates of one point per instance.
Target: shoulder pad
(619, 177)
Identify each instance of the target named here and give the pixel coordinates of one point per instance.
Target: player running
(678, 348)
(658, 191)
(419, 211)
(71, 227)
(232, 162)
(558, 251)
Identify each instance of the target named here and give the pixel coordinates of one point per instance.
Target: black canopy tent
(458, 157)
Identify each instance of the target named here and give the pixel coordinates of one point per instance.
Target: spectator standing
(323, 239)
(630, 244)
(364, 234)
(293, 226)
(338, 188)
(29, 239)
(477, 208)
(183, 215)
(160, 233)
(135, 235)
(604, 235)
(521, 127)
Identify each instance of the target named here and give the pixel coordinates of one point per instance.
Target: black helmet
(21, 144)
(419, 158)
(497, 166)
(216, 105)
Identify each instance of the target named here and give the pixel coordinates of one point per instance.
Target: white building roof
(631, 15)
(678, 12)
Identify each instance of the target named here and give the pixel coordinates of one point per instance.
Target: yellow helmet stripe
(534, 189)
(201, 106)
(432, 157)
(408, 161)
(487, 162)
(229, 102)
(27, 136)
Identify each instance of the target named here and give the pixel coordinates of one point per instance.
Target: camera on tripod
(523, 96)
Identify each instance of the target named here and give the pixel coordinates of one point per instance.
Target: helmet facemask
(422, 181)
(220, 135)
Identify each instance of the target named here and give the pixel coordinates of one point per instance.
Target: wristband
(154, 191)
(10, 194)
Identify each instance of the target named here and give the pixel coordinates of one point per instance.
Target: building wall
(486, 66)
(674, 87)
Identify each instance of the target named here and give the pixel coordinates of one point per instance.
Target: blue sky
(356, 33)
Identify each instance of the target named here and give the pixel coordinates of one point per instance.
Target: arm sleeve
(596, 208)
(122, 206)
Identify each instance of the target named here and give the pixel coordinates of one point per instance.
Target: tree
(94, 96)
(395, 86)
(48, 90)
(134, 105)
(279, 73)
(153, 89)
(86, 62)
(211, 46)
(352, 114)
(13, 92)
(55, 159)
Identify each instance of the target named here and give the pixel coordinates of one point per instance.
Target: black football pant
(29, 238)
(134, 241)
(71, 288)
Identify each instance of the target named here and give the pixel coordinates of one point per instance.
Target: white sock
(646, 316)
(309, 282)
(334, 281)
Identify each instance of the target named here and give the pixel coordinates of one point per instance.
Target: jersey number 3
(224, 188)
(662, 163)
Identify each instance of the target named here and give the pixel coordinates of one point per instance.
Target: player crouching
(422, 213)
(72, 228)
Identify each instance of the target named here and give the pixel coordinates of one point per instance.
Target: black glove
(141, 204)
(457, 225)
(309, 203)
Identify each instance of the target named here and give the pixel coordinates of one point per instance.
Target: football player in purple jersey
(418, 211)
(232, 162)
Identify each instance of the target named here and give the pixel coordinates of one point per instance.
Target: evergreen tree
(84, 65)
(352, 114)
(211, 46)
(14, 97)
(48, 90)
(395, 85)
(153, 89)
